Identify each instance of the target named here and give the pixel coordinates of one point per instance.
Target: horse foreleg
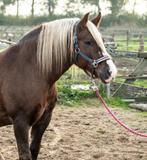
(38, 130)
(21, 129)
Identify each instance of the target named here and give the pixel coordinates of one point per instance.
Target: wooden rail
(142, 55)
(7, 42)
(133, 77)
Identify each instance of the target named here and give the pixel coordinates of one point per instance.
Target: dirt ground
(85, 133)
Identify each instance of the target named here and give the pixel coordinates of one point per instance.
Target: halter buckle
(94, 64)
(77, 50)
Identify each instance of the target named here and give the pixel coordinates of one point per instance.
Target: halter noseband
(78, 52)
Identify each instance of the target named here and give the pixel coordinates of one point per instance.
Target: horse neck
(57, 73)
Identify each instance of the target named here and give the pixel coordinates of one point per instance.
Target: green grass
(70, 97)
(117, 102)
(141, 83)
(81, 98)
(138, 82)
(133, 43)
(132, 46)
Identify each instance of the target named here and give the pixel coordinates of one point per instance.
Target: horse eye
(88, 43)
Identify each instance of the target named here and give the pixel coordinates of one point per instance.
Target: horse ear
(83, 21)
(97, 20)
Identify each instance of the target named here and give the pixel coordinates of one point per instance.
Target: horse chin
(106, 81)
(109, 79)
(96, 75)
(90, 74)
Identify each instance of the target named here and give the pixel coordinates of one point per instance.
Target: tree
(32, 8)
(17, 3)
(4, 3)
(51, 4)
(73, 7)
(116, 6)
(92, 2)
(134, 5)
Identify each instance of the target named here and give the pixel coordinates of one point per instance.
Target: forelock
(96, 35)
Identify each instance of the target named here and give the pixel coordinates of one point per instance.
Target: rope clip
(93, 85)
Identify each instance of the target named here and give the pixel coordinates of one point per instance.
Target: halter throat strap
(78, 52)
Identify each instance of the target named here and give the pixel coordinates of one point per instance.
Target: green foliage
(50, 5)
(116, 6)
(117, 102)
(92, 2)
(107, 20)
(7, 2)
(72, 9)
(70, 97)
(122, 19)
(141, 83)
(114, 101)
(131, 18)
(27, 21)
(4, 3)
(138, 82)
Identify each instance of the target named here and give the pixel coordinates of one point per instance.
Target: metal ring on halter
(94, 64)
(77, 50)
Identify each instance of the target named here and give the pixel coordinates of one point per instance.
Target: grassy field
(133, 43)
(139, 83)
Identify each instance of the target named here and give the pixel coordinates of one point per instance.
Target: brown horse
(29, 70)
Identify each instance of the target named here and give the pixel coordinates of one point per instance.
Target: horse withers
(29, 70)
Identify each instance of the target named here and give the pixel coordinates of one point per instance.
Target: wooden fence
(13, 33)
(116, 35)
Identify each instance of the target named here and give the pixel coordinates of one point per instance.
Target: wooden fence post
(108, 90)
(113, 37)
(127, 40)
(141, 44)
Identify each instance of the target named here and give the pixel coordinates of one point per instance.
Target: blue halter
(78, 52)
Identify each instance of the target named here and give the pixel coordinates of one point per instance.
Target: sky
(25, 7)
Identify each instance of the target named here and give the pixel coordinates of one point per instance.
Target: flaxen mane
(56, 40)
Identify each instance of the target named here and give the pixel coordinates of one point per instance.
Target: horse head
(90, 52)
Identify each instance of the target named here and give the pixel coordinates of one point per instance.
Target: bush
(124, 19)
(107, 21)
(70, 97)
(13, 20)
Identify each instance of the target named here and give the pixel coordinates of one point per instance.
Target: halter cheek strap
(78, 52)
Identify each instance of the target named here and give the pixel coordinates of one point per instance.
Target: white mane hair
(56, 40)
(97, 36)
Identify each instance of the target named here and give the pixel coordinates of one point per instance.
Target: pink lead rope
(115, 118)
